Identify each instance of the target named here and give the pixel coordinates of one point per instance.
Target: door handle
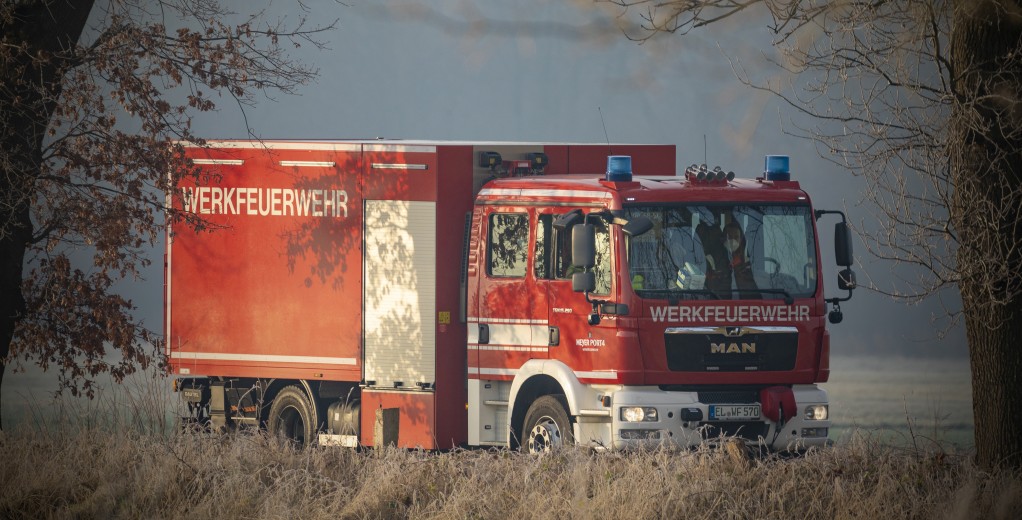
(555, 337)
(484, 333)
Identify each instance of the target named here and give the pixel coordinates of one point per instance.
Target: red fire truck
(442, 294)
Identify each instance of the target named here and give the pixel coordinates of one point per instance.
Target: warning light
(777, 168)
(619, 168)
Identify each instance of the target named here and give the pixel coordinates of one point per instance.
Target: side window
(602, 267)
(562, 255)
(541, 268)
(562, 258)
(508, 244)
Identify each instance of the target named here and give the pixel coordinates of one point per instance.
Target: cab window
(553, 254)
(507, 245)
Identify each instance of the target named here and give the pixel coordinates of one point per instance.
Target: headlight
(817, 412)
(638, 414)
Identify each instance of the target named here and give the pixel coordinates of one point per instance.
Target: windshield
(724, 252)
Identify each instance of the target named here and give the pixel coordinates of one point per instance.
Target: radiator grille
(714, 351)
(729, 397)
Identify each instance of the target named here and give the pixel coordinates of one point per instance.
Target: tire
(292, 416)
(547, 425)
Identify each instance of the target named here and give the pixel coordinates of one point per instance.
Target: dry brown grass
(93, 472)
(114, 458)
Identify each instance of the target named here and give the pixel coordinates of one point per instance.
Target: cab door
(574, 341)
(512, 310)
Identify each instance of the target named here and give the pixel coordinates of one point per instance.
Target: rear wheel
(292, 416)
(547, 425)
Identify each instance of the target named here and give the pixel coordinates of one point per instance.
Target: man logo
(732, 348)
(732, 331)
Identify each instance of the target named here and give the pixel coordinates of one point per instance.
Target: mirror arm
(837, 300)
(821, 212)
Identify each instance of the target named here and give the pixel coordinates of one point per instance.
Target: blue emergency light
(619, 168)
(777, 168)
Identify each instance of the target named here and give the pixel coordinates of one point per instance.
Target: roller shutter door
(400, 292)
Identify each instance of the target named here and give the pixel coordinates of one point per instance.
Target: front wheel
(292, 416)
(547, 425)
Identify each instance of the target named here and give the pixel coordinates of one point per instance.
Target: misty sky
(534, 70)
(544, 71)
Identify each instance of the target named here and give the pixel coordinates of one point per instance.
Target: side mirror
(583, 245)
(846, 280)
(583, 282)
(637, 226)
(842, 244)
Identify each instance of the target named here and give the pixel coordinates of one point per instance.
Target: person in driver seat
(738, 260)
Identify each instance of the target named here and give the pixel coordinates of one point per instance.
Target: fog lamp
(814, 432)
(640, 434)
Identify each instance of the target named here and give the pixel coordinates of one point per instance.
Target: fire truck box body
(398, 284)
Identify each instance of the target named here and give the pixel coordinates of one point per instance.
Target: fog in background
(545, 71)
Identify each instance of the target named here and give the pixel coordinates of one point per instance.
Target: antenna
(605, 134)
(705, 161)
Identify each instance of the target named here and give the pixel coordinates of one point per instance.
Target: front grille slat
(729, 397)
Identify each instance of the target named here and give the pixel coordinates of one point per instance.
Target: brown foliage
(89, 129)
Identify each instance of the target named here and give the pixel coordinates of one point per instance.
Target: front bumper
(676, 422)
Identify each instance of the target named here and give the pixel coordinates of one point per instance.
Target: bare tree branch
(923, 100)
(73, 184)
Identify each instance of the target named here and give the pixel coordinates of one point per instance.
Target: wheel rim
(545, 436)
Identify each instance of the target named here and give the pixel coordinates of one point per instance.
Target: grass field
(116, 458)
(95, 472)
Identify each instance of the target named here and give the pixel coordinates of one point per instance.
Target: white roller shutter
(400, 292)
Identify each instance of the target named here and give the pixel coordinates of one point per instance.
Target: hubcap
(545, 436)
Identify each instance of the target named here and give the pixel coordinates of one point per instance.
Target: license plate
(191, 395)
(734, 412)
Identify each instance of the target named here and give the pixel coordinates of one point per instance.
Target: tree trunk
(996, 362)
(986, 166)
(12, 259)
(44, 31)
